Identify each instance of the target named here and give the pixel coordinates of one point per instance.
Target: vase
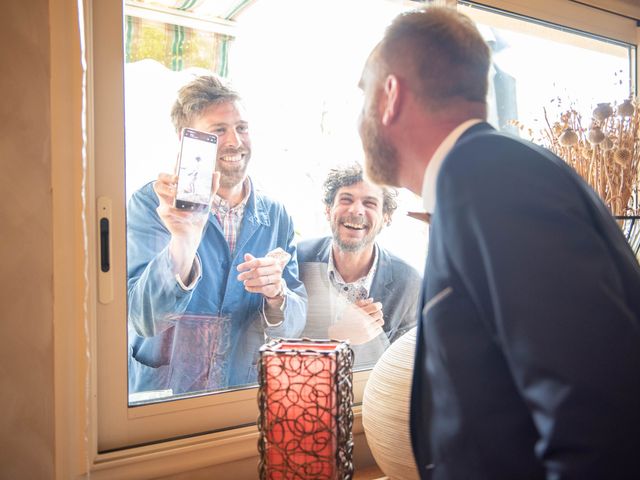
(385, 409)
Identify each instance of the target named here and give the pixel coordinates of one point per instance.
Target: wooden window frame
(81, 333)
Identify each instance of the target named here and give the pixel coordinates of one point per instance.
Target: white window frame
(93, 399)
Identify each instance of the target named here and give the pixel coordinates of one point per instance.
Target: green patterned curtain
(175, 46)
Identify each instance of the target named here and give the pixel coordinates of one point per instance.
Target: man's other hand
(263, 275)
(360, 322)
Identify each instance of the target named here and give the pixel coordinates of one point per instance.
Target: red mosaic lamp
(306, 418)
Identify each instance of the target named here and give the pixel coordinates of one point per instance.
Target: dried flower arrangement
(606, 154)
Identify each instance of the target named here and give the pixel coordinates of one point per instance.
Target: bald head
(441, 55)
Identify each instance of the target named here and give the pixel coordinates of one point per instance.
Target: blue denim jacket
(206, 337)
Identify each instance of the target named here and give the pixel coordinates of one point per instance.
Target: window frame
(120, 426)
(94, 335)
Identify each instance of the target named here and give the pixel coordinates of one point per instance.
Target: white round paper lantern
(385, 409)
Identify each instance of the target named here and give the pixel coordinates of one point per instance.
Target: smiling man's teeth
(231, 158)
(351, 225)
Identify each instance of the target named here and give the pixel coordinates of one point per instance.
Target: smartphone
(196, 164)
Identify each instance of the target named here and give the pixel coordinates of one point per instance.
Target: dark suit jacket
(396, 284)
(528, 344)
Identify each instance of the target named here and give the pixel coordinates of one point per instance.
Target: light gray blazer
(396, 285)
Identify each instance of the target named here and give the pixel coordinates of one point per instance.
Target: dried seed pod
(595, 135)
(602, 112)
(568, 137)
(626, 109)
(622, 157)
(607, 144)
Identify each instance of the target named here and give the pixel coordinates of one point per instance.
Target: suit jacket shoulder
(397, 285)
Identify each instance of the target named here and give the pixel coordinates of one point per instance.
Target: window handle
(105, 274)
(104, 245)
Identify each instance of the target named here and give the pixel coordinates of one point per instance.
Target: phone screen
(198, 151)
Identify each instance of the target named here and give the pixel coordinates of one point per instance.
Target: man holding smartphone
(206, 286)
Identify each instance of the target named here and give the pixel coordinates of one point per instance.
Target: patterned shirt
(349, 291)
(231, 218)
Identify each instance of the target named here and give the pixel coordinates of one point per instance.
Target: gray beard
(352, 247)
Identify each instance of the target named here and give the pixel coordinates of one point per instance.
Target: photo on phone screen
(198, 152)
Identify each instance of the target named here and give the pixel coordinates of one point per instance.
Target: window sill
(370, 473)
(204, 451)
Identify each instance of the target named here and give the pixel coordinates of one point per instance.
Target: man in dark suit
(357, 290)
(528, 344)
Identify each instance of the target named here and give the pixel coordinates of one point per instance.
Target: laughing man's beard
(231, 177)
(351, 247)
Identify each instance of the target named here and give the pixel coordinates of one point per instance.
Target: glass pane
(298, 81)
(296, 65)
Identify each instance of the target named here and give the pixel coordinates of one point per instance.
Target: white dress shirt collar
(433, 168)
